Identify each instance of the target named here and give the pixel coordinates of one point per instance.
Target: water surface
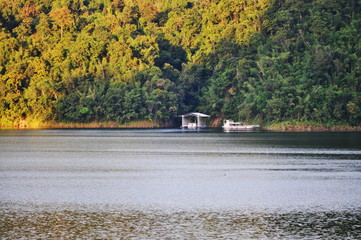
(169, 183)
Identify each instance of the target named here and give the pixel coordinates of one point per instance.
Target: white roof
(195, 114)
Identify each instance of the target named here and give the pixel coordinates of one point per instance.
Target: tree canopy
(125, 60)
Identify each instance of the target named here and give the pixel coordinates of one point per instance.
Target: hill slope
(126, 60)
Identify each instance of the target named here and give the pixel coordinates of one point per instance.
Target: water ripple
(148, 223)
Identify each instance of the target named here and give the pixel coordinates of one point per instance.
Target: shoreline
(131, 126)
(282, 127)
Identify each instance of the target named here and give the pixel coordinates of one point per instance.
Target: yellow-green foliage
(51, 50)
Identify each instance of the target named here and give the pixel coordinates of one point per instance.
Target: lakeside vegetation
(56, 124)
(308, 126)
(112, 63)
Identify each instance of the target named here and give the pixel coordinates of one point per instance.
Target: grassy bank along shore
(54, 124)
(295, 126)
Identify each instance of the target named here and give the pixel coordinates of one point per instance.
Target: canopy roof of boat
(194, 114)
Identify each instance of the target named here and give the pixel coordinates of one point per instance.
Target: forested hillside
(118, 61)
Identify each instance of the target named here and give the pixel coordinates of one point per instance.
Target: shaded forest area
(264, 61)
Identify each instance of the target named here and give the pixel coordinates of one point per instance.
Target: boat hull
(243, 127)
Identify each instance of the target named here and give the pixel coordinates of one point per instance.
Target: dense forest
(263, 61)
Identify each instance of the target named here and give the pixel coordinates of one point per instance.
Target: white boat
(231, 125)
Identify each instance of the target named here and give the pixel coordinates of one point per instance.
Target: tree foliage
(124, 60)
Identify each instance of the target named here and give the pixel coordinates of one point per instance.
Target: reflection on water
(169, 183)
(125, 223)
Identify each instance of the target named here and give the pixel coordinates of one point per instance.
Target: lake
(179, 184)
